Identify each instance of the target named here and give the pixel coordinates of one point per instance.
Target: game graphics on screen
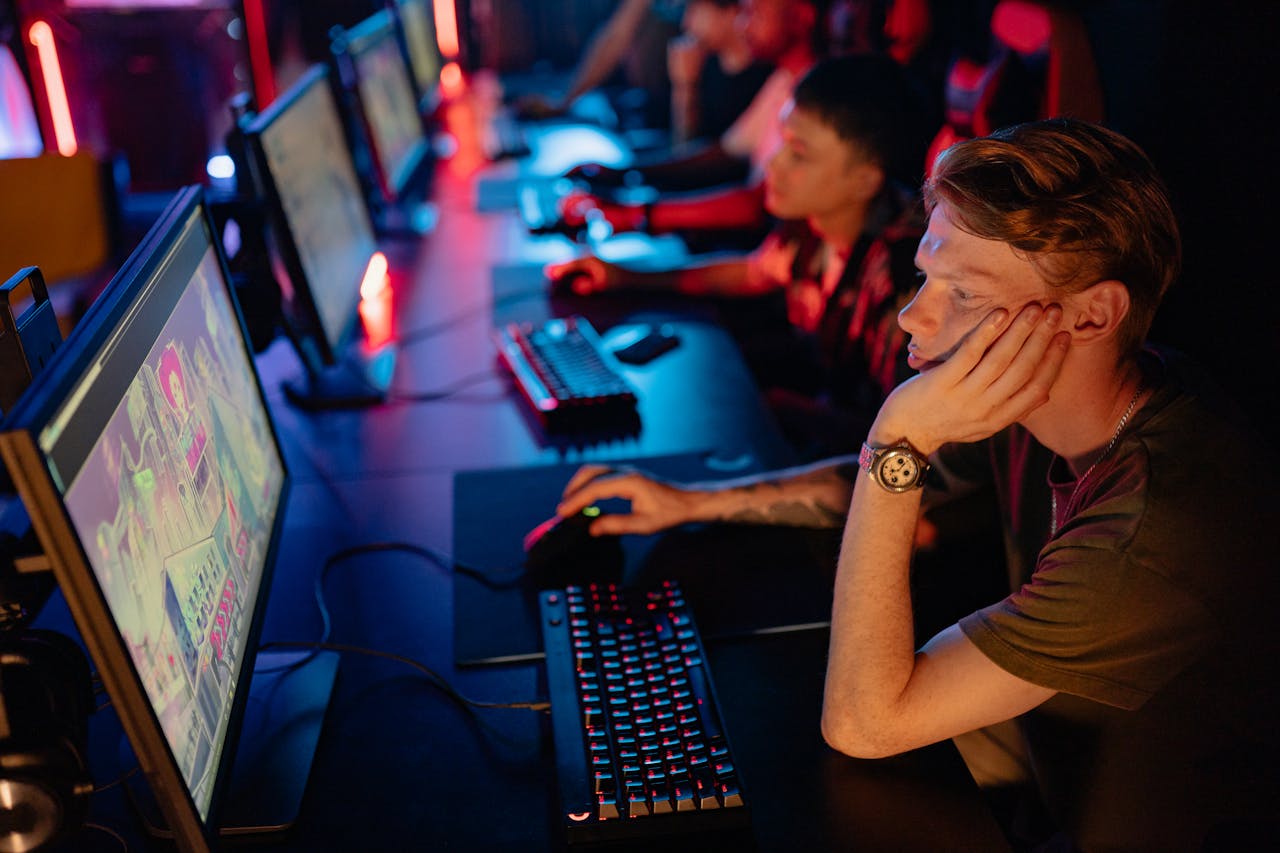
(179, 541)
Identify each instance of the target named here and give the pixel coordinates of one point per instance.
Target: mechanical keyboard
(567, 375)
(640, 747)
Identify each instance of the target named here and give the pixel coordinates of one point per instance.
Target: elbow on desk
(845, 732)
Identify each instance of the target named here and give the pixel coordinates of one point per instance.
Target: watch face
(899, 470)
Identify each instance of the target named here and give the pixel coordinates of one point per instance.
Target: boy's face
(709, 24)
(815, 172)
(771, 27)
(965, 278)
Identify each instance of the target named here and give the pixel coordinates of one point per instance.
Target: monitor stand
(287, 701)
(408, 219)
(359, 379)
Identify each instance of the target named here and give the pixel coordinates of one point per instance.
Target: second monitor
(385, 123)
(324, 246)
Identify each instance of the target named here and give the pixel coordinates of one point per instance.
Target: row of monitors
(145, 453)
(334, 159)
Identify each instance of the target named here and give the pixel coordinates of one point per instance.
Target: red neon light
(451, 80)
(375, 302)
(64, 131)
(255, 33)
(376, 314)
(375, 277)
(446, 27)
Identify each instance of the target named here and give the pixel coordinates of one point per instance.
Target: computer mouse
(561, 551)
(570, 283)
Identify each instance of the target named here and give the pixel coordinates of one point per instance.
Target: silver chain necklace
(1115, 437)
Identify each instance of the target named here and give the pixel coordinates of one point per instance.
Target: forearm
(606, 48)
(815, 496)
(693, 166)
(717, 278)
(872, 651)
(738, 208)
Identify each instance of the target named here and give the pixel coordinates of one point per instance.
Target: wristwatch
(896, 468)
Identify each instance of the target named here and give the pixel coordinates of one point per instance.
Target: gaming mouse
(570, 284)
(561, 551)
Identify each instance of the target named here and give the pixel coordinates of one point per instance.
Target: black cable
(394, 396)
(434, 677)
(450, 323)
(106, 830)
(439, 558)
(117, 781)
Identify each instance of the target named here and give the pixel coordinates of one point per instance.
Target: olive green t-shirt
(1150, 611)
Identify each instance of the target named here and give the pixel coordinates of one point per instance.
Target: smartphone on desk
(650, 345)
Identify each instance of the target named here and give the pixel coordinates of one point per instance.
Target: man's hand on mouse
(585, 276)
(655, 505)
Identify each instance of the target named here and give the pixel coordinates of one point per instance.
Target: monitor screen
(420, 40)
(324, 236)
(386, 97)
(154, 480)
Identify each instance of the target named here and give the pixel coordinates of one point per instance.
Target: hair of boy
(1082, 202)
(866, 100)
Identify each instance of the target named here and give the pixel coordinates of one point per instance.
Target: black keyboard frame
(577, 803)
(572, 409)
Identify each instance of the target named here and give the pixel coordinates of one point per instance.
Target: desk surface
(400, 764)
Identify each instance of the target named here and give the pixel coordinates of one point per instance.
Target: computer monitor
(384, 112)
(152, 474)
(322, 242)
(417, 26)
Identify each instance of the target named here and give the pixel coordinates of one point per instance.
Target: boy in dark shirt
(1129, 677)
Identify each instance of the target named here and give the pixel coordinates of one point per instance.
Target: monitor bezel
(428, 93)
(347, 46)
(301, 310)
(67, 558)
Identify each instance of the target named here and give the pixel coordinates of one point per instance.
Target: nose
(919, 317)
(772, 162)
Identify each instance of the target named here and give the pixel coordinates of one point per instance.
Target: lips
(917, 362)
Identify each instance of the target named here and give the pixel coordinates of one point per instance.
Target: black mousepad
(739, 579)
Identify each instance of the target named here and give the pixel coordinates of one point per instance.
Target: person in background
(782, 32)
(633, 40)
(714, 74)
(842, 257)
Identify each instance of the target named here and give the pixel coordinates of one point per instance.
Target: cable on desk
(434, 677)
(394, 396)
(447, 562)
(461, 317)
(439, 558)
(119, 780)
(106, 830)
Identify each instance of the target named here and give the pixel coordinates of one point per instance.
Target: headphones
(46, 696)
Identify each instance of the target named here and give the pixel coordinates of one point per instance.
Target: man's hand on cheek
(1001, 372)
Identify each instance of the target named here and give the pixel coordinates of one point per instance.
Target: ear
(1098, 311)
(868, 179)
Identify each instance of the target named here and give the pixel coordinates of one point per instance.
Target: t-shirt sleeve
(1094, 623)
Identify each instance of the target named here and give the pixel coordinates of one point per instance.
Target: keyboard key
(646, 720)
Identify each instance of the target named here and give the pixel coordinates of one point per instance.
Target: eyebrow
(964, 272)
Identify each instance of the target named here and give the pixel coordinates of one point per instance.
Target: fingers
(582, 476)
(1035, 391)
(582, 276)
(1012, 357)
(607, 484)
(575, 206)
(1003, 370)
